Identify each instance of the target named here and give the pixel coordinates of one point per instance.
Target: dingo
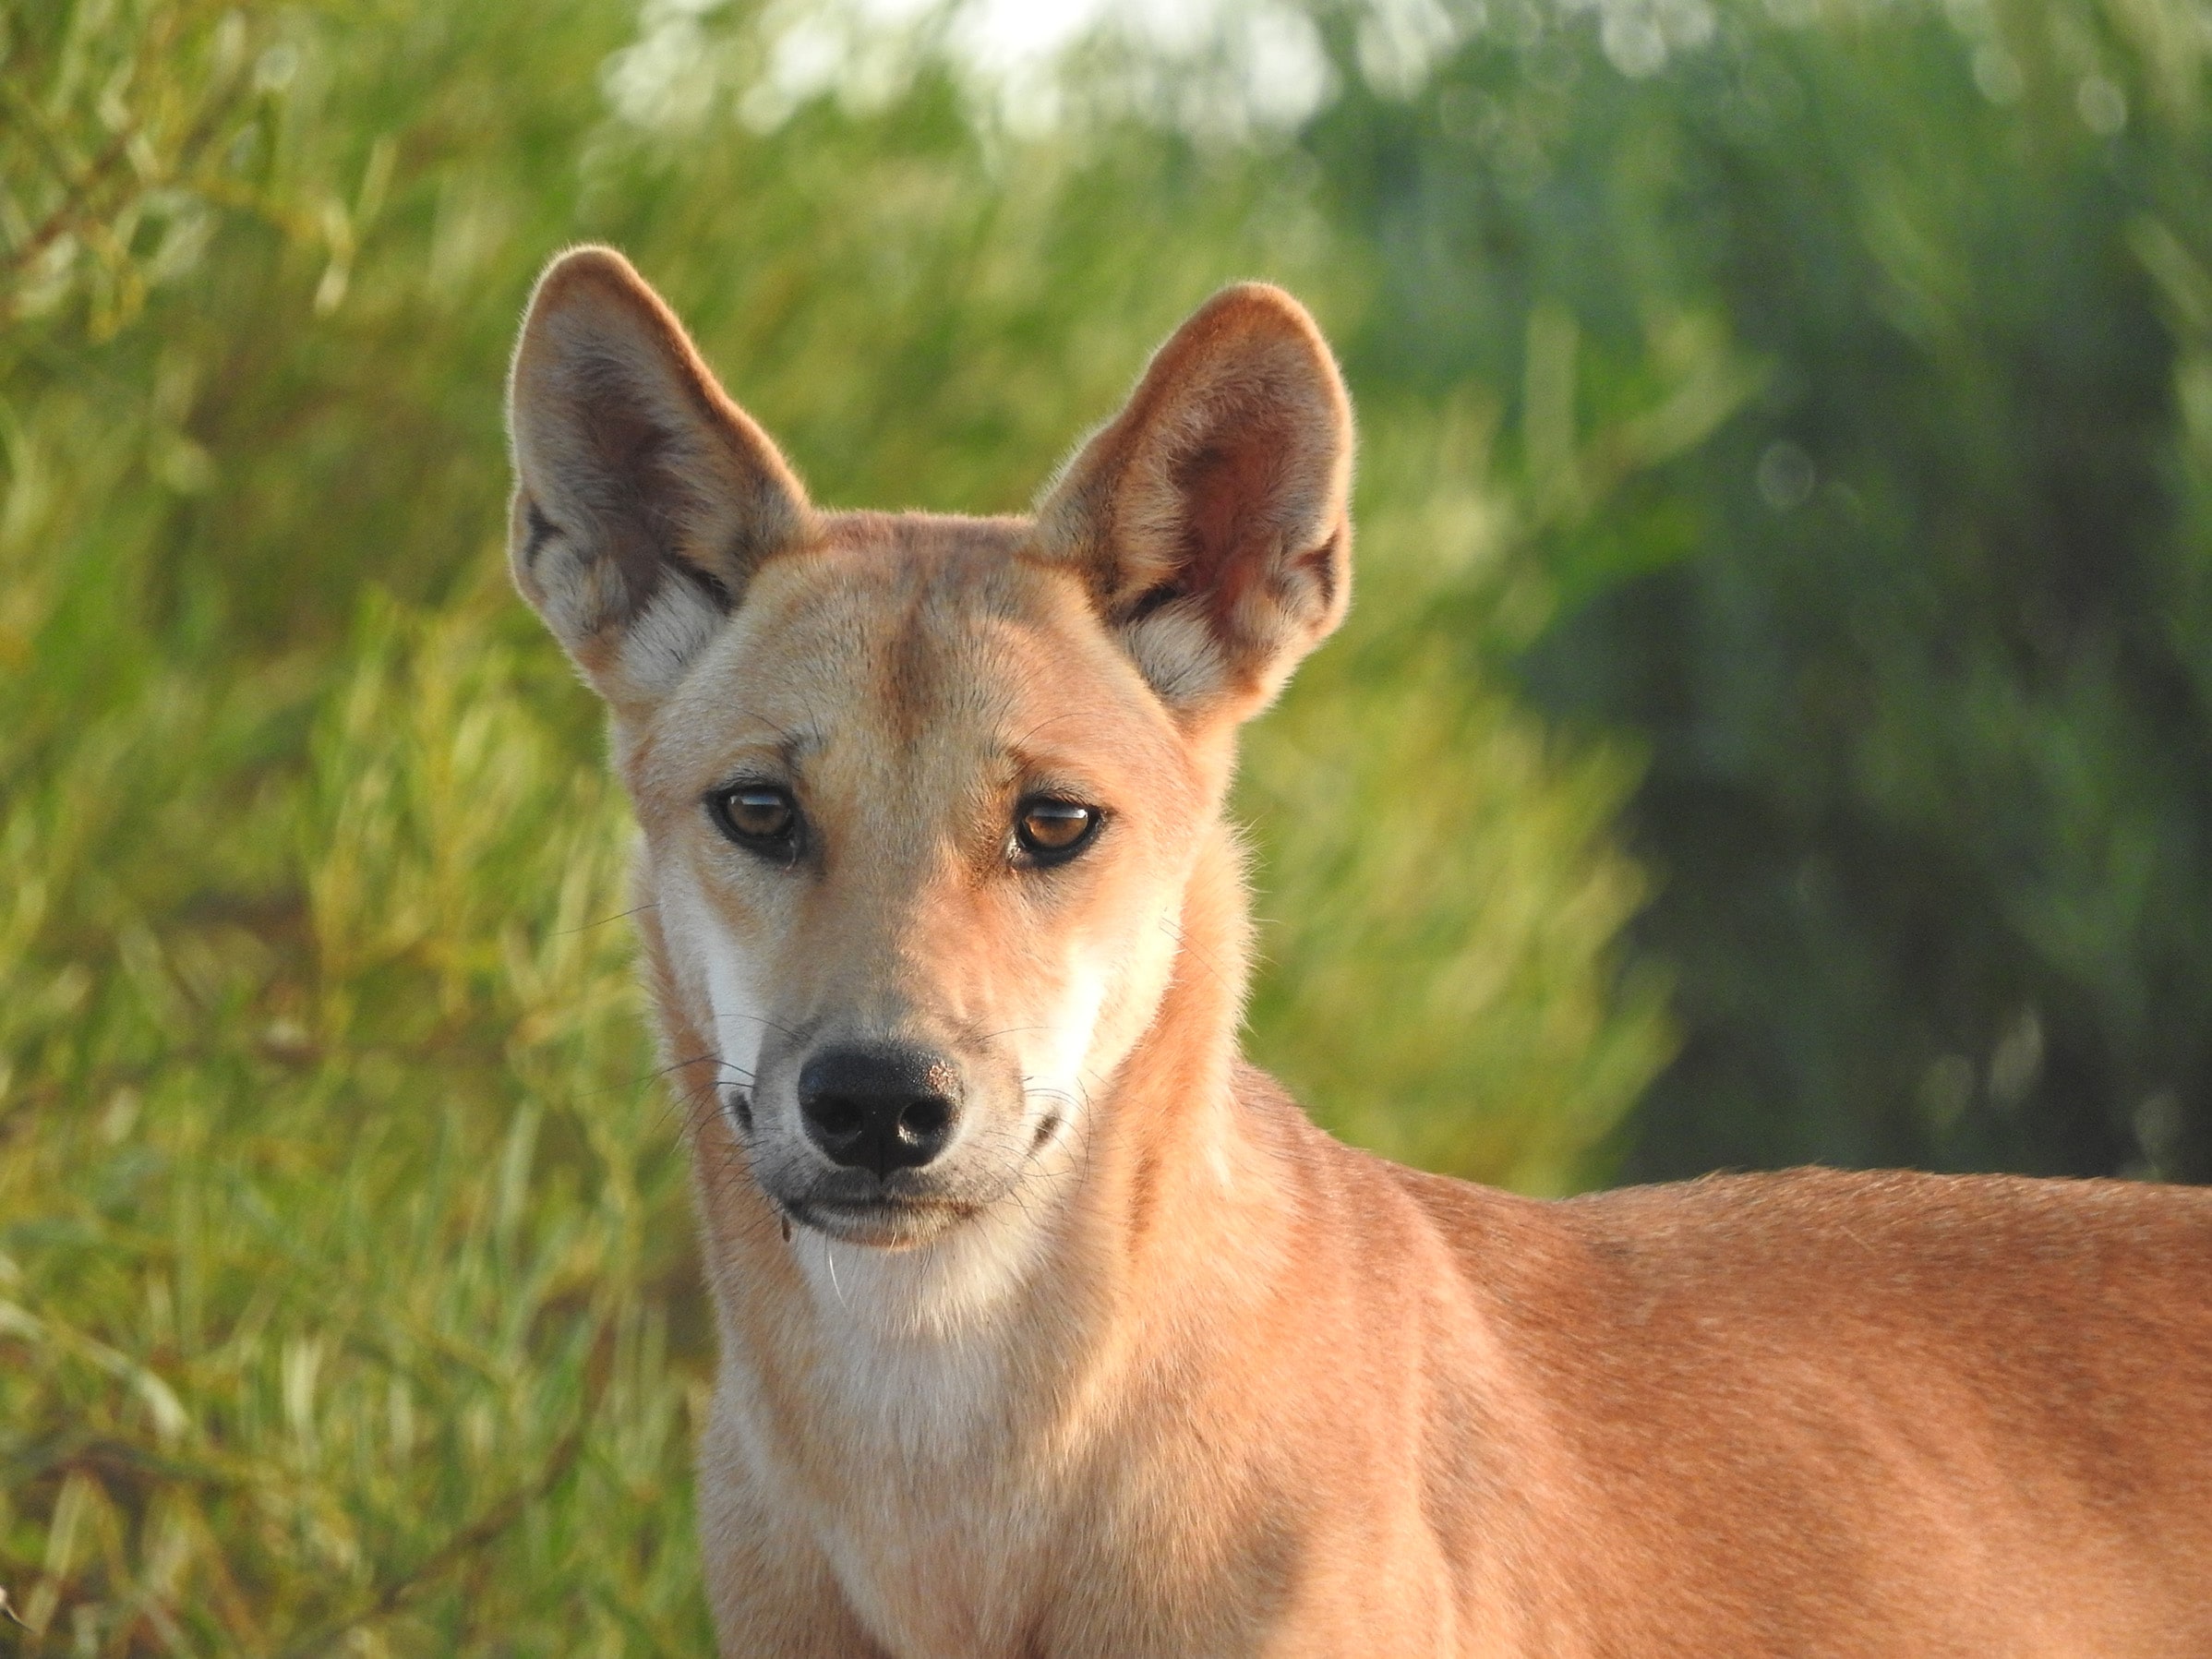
(1050, 1327)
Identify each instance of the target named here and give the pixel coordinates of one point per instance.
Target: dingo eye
(1050, 828)
(762, 818)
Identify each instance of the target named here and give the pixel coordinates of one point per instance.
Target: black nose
(882, 1108)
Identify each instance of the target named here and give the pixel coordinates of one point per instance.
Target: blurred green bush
(1784, 435)
(1918, 641)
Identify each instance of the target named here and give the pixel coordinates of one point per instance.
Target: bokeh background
(1773, 725)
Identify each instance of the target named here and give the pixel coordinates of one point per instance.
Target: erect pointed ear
(644, 499)
(1210, 515)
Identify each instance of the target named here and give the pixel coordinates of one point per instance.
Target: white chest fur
(925, 1484)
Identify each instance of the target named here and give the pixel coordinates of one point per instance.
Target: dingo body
(1048, 1326)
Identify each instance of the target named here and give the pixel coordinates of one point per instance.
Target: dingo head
(921, 795)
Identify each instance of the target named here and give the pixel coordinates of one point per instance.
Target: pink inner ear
(1228, 487)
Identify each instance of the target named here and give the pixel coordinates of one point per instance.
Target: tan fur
(1143, 1363)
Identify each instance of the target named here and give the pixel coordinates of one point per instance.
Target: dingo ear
(644, 499)
(1210, 515)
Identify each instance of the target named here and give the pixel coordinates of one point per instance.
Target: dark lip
(881, 1220)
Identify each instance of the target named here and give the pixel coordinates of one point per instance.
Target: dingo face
(916, 835)
(921, 795)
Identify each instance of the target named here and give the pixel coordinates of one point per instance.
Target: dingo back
(1048, 1326)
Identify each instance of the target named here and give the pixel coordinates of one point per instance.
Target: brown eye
(1050, 828)
(762, 818)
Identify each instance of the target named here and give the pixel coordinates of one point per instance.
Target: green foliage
(1438, 893)
(1917, 639)
(333, 1196)
(346, 1294)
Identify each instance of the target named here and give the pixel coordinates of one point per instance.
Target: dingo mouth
(886, 1222)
